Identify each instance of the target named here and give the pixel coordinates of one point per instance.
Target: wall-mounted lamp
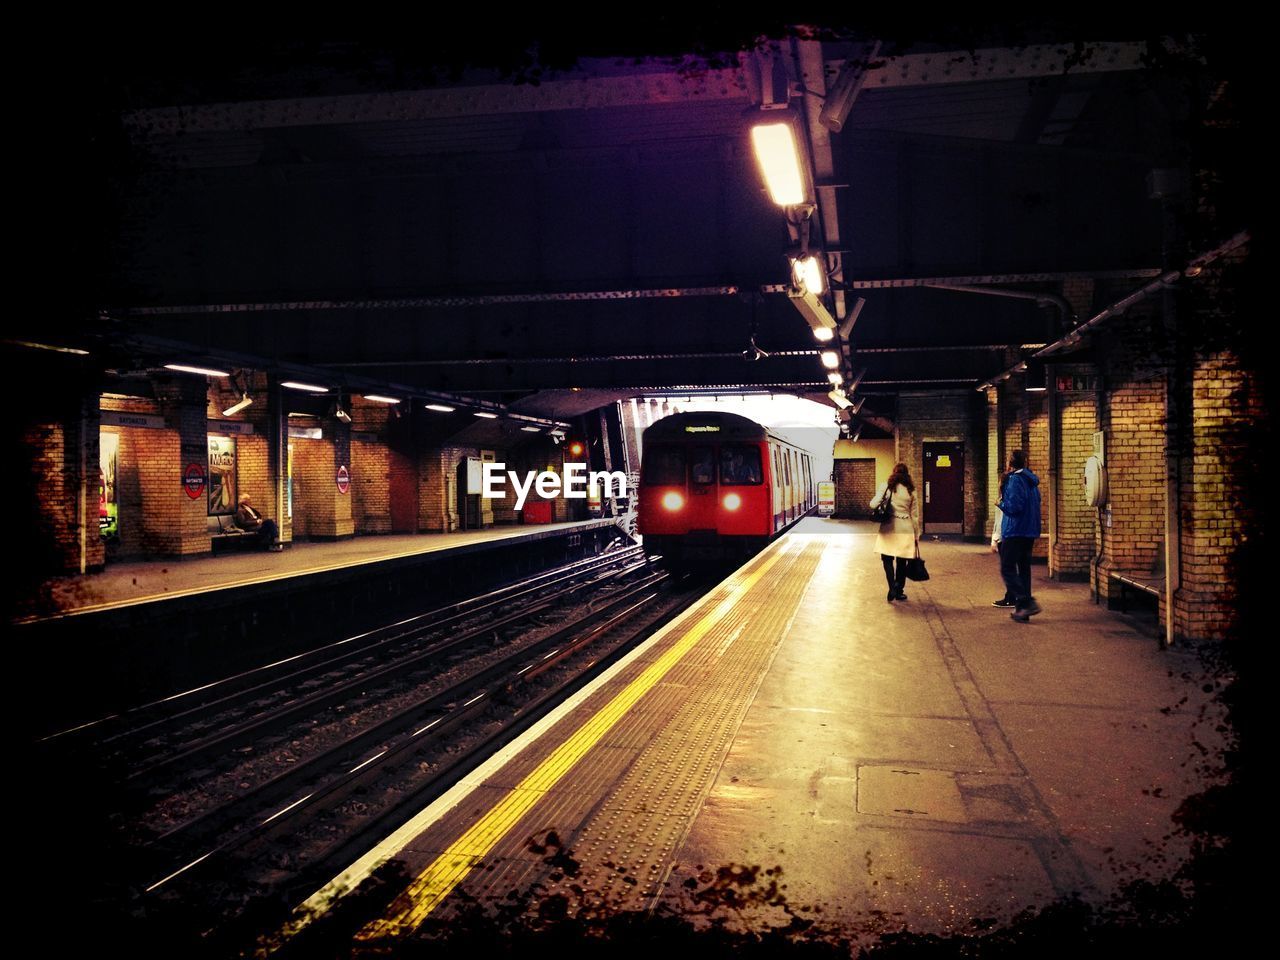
(239, 405)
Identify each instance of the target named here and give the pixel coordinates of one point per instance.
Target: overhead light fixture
(379, 398)
(486, 414)
(839, 399)
(440, 408)
(808, 274)
(531, 429)
(199, 371)
(835, 378)
(239, 405)
(307, 387)
(815, 314)
(778, 154)
(48, 346)
(830, 359)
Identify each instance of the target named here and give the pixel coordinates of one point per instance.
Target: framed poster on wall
(222, 476)
(108, 504)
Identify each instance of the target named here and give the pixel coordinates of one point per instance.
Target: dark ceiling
(511, 231)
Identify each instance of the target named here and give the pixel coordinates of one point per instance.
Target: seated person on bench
(248, 518)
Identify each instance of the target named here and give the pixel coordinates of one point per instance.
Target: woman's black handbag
(882, 512)
(915, 566)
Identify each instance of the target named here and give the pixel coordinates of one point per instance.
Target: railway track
(417, 705)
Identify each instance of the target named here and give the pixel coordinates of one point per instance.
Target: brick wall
(438, 502)
(855, 486)
(952, 417)
(1134, 421)
(1076, 534)
(370, 487)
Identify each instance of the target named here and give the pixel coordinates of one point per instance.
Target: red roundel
(193, 480)
(344, 480)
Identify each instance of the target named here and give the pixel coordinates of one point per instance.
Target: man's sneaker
(1021, 616)
(1004, 602)
(1032, 608)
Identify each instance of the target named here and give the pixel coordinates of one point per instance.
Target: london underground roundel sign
(344, 480)
(193, 480)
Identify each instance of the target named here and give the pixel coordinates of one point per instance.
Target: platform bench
(225, 535)
(1152, 585)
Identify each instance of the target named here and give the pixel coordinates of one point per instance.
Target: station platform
(143, 581)
(795, 746)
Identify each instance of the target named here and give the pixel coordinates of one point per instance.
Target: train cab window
(702, 465)
(664, 466)
(740, 464)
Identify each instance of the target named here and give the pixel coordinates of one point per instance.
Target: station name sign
(114, 418)
(702, 429)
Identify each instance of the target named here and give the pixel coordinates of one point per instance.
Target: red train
(719, 484)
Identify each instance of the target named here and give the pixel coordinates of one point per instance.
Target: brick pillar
(174, 522)
(59, 477)
(1075, 418)
(1223, 404)
(321, 511)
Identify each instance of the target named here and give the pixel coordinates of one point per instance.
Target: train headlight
(672, 501)
(732, 501)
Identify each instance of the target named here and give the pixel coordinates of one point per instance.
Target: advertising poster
(108, 504)
(222, 475)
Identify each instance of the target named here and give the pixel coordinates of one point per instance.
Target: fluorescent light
(49, 346)
(823, 334)
(202, 371)
(1035, 389)
(779, 157)
(531, 429)
(808, 273)
(379, 398)
(237, 406)
(835, 378)
(311, 387)
(830, 359)
(440, 408)
(486, 414)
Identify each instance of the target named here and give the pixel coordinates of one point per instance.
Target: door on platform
(944, 487)
(855, 486)
(404, 493)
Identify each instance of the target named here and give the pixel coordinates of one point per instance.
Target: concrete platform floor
(929, 765)
(138, 581)
(933, 762)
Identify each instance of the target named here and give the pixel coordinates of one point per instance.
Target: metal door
(944, 487)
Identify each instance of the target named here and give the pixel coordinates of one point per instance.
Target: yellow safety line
(449, 869)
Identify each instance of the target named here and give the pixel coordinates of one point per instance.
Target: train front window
(740, 464)
(664, 466)
(702, 465)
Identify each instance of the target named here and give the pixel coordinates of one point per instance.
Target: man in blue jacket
(1020, 505)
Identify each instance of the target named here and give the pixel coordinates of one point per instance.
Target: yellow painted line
(449, 869)
(289, 575)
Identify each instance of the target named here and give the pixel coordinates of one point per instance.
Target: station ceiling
(549, 237)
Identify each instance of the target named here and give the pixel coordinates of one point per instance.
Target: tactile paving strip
(619, 850)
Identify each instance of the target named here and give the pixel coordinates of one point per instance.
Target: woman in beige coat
(897, 537)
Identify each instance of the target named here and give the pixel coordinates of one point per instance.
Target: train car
(719, 484)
